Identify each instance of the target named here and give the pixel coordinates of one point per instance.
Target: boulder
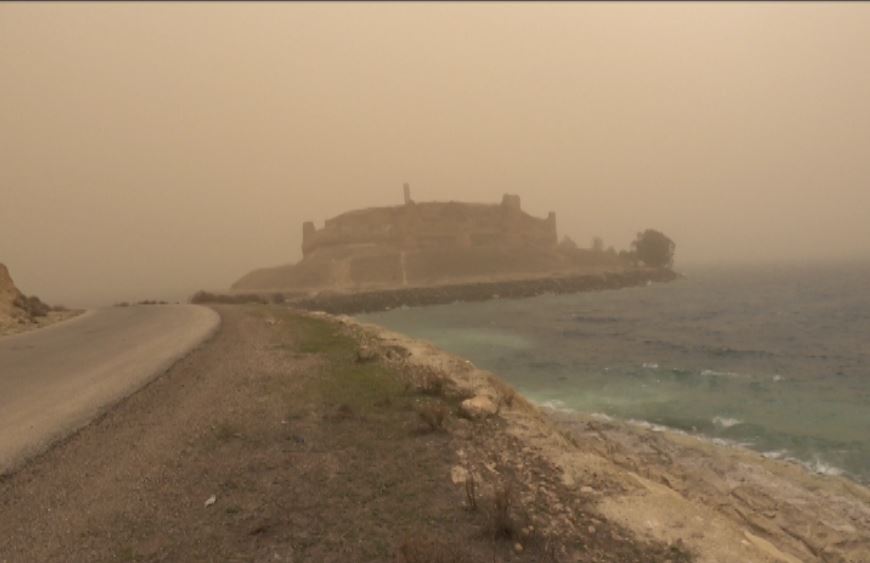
(479, 406)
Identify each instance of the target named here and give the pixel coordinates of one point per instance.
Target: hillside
(19, 312)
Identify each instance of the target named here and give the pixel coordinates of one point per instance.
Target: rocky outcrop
(10, 299)
(21, 312)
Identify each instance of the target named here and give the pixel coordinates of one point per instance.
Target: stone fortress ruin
(418, 244)
(436, 225)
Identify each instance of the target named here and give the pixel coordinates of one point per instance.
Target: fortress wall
(434, 224)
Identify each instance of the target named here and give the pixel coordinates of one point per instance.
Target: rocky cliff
(16, 309)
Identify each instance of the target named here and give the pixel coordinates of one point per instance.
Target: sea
(772, 358)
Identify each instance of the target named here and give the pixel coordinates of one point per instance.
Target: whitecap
(822, 467)
(714, 373)
(653, 426)
(726, 422)
(778, 377)
(556, 405)
(650, 365)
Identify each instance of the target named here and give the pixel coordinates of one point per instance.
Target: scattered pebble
(211, 500)
(518, 547)
(591, 529)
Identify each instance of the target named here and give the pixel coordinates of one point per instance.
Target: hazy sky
(152, 149)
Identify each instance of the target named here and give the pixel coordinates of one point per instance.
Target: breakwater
(380, 300)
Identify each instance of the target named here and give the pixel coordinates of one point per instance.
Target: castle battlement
(434, 224)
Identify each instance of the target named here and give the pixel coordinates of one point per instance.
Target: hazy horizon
(151, 149)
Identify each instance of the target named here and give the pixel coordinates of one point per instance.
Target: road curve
(57, 379)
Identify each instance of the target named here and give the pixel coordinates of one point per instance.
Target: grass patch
(225, 431)
(341, 381)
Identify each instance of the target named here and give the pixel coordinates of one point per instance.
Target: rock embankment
(19, 312)
(721, 503)
(380, 300)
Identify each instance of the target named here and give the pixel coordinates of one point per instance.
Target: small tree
(597, 244)
(654, 248)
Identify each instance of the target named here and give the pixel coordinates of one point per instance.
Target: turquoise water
(776, 359)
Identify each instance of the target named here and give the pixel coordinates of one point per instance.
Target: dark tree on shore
(654, 248)
(597, 244)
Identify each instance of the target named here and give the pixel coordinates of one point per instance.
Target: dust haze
(150, 150)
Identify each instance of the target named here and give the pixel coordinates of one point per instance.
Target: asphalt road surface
(56, 379)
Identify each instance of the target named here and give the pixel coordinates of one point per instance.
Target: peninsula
(429, 243)
(438, 252)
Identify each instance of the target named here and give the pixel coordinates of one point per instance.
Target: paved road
(56, 379)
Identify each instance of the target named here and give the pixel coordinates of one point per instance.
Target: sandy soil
(294, 438)
(724, 504)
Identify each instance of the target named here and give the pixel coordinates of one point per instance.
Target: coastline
(723, 503)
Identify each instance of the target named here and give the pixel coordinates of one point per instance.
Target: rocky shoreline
(380, 300)
(721, 503)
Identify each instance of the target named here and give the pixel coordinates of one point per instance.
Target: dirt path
(282, 439)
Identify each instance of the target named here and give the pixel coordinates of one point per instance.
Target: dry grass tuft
(225, 431)
(431, 384)
(418, 548)
(508, 397)
(344, 412)
(471, 492)
(433, 415)
(503, 524)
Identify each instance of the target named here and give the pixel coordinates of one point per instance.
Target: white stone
(480, 406)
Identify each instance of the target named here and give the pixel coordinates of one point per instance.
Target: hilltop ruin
(419, 244)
